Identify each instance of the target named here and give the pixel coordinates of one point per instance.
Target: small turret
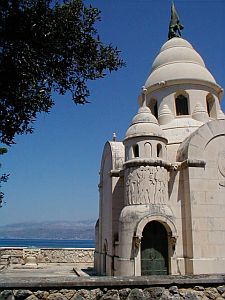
(145, 160)
(165, 115)
(199, 113)
(144, 136)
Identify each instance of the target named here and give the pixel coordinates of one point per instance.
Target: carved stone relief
(146, 185)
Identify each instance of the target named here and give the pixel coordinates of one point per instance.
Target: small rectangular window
(181, 105)
(136, 150)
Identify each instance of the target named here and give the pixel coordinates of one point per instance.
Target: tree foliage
(3, 177)
(47, 46)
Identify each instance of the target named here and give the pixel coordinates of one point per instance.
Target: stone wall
(126, 293)
(64, 255)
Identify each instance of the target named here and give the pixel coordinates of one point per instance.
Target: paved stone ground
(50, 270)
(54, 272)
(72, 275)
(70, 281)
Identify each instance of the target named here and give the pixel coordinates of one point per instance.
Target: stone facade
(162, 202)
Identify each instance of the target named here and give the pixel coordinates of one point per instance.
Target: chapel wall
(117, 206)
(176, 202)
(105, 211)
(208, 209)
(111, 203)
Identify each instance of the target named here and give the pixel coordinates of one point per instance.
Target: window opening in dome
(181, 103)
(159, 150)
(210, 102)
(154, 107)
(136, 150)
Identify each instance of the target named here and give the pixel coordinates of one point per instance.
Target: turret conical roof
(144, 124)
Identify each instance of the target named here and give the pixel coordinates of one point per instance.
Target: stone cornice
(146, 162)
(176, 166)
(216, 87)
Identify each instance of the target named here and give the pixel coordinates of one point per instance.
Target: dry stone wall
(70, 255)
(154, 293)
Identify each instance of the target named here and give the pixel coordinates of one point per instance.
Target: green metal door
(154, 250)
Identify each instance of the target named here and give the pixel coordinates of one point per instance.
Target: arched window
(136, 150)
(148, 150)
(159, 150)
(153, 105)
(181, 102)
(210, 102)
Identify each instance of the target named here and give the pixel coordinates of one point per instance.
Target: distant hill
(50, 230)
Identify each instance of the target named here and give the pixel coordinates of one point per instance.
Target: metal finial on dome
(175, 25)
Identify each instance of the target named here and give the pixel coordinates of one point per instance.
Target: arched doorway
(154, 249)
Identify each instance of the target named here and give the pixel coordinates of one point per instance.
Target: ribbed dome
(144, 115)
(176, 42)
(144, 124)
(178, 60)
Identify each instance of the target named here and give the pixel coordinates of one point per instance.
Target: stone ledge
(108, 282)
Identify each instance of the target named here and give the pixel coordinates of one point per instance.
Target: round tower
(180, 91)
(145, 164)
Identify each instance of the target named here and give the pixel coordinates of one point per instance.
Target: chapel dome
(144, 124)
(177, 60)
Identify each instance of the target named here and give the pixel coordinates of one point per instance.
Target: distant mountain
(50, 230)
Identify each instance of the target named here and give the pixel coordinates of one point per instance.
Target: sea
(47, 243)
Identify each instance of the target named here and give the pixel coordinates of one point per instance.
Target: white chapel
(162, 189)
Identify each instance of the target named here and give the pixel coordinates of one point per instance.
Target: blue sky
(54, 171)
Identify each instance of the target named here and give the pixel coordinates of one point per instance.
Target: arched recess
(148, 150)
(154, 250)
(182, 103)
(171, 231)
(159, 151)
(169, 225)
(136, 150)
(210, 104)
(153, 105)
(194, 146)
